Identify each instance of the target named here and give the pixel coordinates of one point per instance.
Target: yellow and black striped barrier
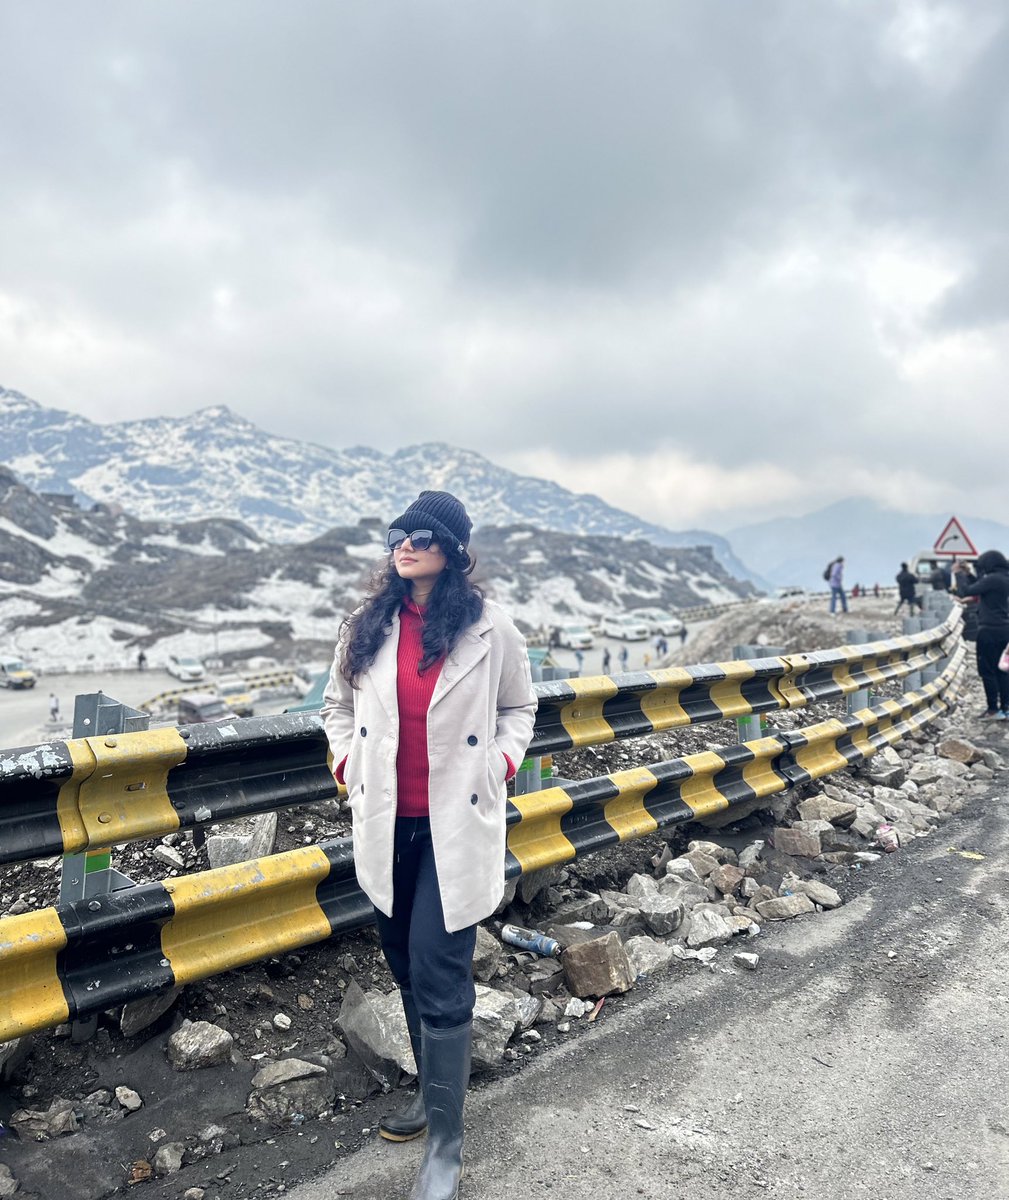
(67, 964)
(66, 797)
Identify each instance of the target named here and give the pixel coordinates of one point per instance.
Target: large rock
(8, 1183)
(530, 885)
(819, 893)
(598, 968)
(687, 894)
(960, 750)
(290, 1088)
(639, 886)
(708, 928)
(750, 855)
(782, 908)
(662, 914)
(682, 868)
(887, 767)
(721, 854)
(702, 863)
(586, 907)
(823, 808)
(374, 1026)
(486, 955)
(727, 878)
(623, 914)
(199, 1044)
(495, 1019)
(797, 843)
(934, 770)
(168, 1159)
(34, 1125)
(646, 955)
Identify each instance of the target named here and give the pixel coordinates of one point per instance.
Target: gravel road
(864, 1058)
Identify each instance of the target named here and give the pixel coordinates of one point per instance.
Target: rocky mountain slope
(215, 463)
(93, 586)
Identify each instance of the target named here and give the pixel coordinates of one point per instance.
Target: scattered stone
(226, 849)
(682, 868)
(687, 894)
(170, 857)
(495, 1019)
(934, 770)
(487, 955)
(662, 914)
(819, 893)
(960, 750)
(887, 767)
(528, 887)
(543, 975)
(708, 928)
(746, 961)
(199, 1044)
(374, 1025)
(194, 1193)
(587, 907)
(137, 1015)
(282, 1021)
(721, 854)
(782, 908)
(640, 887)
(823, 808)
(577, 1008)
(623, 913)
(290, 1088)
(263, 838)
(168, 1159)
(8, 1184)
(750, 855)
(797, 843)
(749, 888)
(598, 968)
(727, 878)
(34, 1125)
(702, 863)
(706, 955)
(646, 955)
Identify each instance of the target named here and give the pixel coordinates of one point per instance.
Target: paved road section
(866, 1057)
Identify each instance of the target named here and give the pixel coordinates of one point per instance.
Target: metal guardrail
(70, 963)
(66, 797)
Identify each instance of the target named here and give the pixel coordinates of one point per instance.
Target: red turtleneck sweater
(413, 694)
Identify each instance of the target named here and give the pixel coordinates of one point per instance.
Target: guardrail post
(92, 873)
(863, 697)
(752, 726)
(910, 625)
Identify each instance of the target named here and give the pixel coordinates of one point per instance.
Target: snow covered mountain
(94, 586)
(217, 464)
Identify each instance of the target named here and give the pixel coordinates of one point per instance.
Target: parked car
(659, 621)
(14, 674)
(622, 625)
(235, 692)
(575, 635)
(182, 666)
(790, 591)
(203, 708)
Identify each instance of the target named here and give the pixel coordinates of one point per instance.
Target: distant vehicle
(14, 674)
(624, 626)
(790, 591)
(189, 670)
(260, 664)
(203, 708)
(658, 621)
(235, 692)
(923, 564)
(575, 635)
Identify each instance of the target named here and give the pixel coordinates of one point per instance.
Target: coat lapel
(471, 648)
(382, 673)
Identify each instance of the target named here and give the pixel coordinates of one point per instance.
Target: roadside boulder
(496, 1017)
(374, 1026)
(598, 968)
(199, 1044)
(783, 908)
(960, 750)
(646, 955)
(289, 1088)
(823, 808)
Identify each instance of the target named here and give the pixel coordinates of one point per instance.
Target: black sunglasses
(420, 539)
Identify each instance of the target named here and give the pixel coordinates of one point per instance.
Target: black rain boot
(444, 1076)
(411, 1121)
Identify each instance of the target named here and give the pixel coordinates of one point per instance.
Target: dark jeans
(435, 965)
(990, 644)
(837, 593)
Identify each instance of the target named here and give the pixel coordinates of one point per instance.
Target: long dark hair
(453, 606)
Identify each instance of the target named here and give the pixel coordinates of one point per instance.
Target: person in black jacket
(963, 577)
(906, 583)
(992, 591)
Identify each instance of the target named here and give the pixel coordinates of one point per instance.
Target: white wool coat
(482, 709)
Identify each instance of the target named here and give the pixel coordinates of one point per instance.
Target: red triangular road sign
(954, 540)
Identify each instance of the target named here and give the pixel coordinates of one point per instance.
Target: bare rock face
(598, 968)
(199, 1044)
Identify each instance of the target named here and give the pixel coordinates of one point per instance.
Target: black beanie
(444, 515)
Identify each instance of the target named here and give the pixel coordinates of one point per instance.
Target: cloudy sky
(714, 261)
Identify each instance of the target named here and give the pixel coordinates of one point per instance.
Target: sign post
(953, 542)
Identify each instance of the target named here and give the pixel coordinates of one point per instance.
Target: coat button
(472, 739)
(364, 732)
(474, 798)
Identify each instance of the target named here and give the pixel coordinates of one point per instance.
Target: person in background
(54, 707)
(141, 661)
(992, 590)
(907, 589)
(607, 660)
(837, 585)
(623, 656)
(963, 577)
(856, 591)
(428, 711)
(580, 660)
(875, 590)
(683, 633)
(938, 579)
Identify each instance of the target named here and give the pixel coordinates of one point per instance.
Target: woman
(992, 591)
(428, 712)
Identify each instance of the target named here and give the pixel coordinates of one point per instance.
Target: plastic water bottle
(531, 939)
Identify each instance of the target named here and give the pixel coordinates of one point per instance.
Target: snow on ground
(62, 544)
(78, 642)
(204, 644)
(372, 552)
(171, 542)
(555, 599)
